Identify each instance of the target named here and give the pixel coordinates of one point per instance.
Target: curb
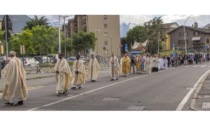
(195, 96)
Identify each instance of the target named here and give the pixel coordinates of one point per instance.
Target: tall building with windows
(106, 29)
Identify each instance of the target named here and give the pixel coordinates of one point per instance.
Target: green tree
(83, 41)
(69, 46)
(44, 39)
(24, 38)
(155, 34)
(138, 34)
(36, 21)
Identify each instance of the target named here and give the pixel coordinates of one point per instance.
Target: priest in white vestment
(79, 74)
(63, 75)
(15, 89)
(93, 68)
(114, 66)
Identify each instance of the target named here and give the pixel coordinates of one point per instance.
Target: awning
(196, 38)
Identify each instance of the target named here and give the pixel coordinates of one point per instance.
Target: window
(105, 34)
(105, 17)
(180, 34)
(186, 33)
(187, 42)
(179, 42)
(183, 42)
(207, 40)
(105, 43)
(196, 33)
(105, 26)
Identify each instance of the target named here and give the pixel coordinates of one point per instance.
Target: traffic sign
(8, 21)
(126, 47)
(8, 35)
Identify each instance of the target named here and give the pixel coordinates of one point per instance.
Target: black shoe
(79, 87)
(73, 88)
(112, 80)
(116, 78)
(8, 103)
(19, 103)
(93, 81)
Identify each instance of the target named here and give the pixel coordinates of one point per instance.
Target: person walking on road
(114, 66)
(15, 89)
(79, 74)
(63, 75)
(126, 65)
(132, 62)
(148, 64)
(93, 69)
(138, 63)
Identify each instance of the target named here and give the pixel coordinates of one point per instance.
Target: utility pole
(96, 34)
(64, 29)
(59, 37)
(5, 23)
(158, 41)
(111, 44)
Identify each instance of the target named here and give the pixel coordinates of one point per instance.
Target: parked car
(30, 62)
(73, 58)
(42, 59)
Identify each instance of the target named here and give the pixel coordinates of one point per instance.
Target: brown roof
(192, 28)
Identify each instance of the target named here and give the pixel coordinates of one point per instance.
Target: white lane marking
(186, 66)
(68, 98)
(86, 93)
(195, 66)
(203, 65)
(186, 98)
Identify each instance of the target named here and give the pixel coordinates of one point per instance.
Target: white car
(30, 62)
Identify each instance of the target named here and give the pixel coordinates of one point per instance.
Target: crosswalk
(194, 66)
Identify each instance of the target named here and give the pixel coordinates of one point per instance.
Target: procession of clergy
(15, 88)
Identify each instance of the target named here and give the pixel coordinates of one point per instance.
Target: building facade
(167, 28)
(105, 27)
(197, 39)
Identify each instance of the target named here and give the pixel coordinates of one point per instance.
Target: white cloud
(135, 19)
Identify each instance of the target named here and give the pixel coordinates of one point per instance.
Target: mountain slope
(18, 22)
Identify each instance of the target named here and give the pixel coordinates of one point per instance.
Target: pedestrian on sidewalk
(79, 73)
(63, 75)
(93, 68)
(114, 66)
(15, 89)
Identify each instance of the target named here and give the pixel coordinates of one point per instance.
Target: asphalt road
(159, 91)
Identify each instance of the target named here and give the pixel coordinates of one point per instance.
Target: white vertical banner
(22, 49)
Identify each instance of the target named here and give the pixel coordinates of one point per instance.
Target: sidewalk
(201, 98)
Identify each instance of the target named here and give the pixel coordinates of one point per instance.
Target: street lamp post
(185, 33)
(96, 33)
(59, 36)
(0, 57)
(64, 34)
(111, 44)
(6, 35)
